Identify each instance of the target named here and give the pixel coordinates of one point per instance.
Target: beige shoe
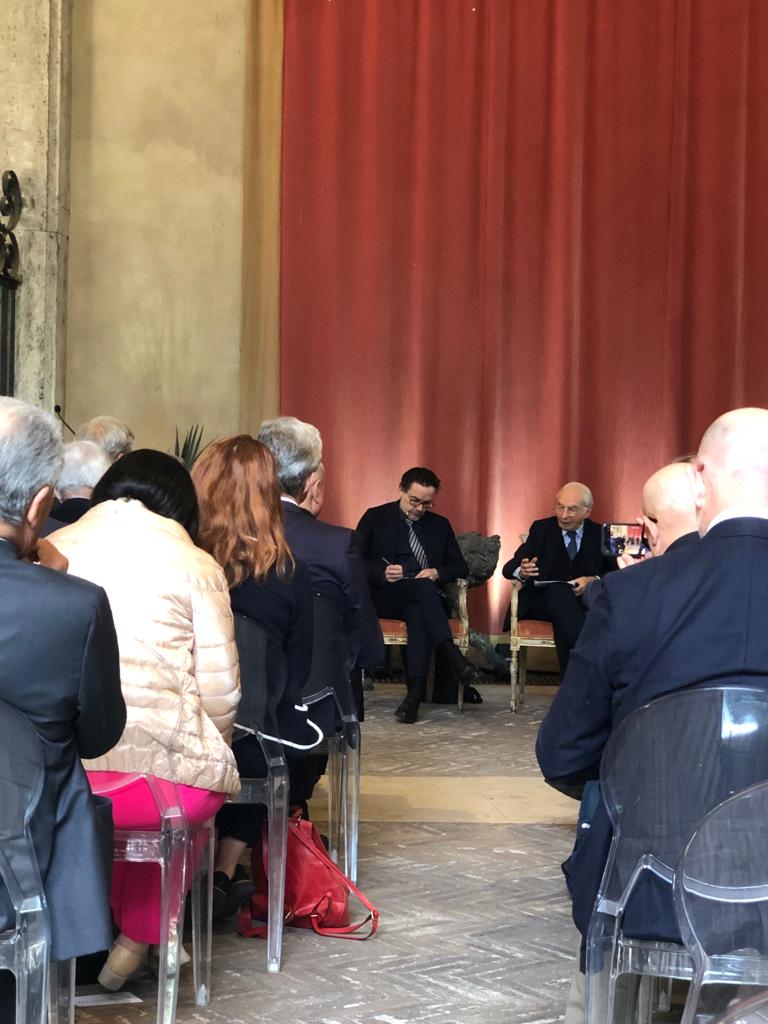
(122, 963)
(154, 957)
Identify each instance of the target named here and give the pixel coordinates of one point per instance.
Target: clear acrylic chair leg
(352, 804)
(201, 904)
(278, 838)
(335, 782)
(32, 982)
(62, 992)
(171, 928)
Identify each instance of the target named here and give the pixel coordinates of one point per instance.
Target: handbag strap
(347, 931)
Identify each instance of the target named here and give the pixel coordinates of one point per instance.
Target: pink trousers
(135, 894)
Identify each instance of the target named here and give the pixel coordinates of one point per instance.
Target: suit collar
(746, 526)
(291, 508)
(682, 542)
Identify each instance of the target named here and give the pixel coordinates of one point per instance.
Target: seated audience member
(669, 513)
(330, 552)
(241, 526)
(178, 664)
(59, 668)
(85, 464)
(114, 436)
(565, 547)
(409, 552)
(695, 616)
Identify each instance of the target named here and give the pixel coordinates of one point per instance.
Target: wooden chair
(524, 633)
(395, 634)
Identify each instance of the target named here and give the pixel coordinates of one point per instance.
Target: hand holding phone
(623, 540)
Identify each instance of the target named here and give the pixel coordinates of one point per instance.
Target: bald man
(564, 547)
(669, 510)
(696, 616)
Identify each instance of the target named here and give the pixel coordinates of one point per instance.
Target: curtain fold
(523, 241)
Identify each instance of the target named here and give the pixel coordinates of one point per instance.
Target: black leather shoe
(463, 670)
(471, 696)
(408, 711)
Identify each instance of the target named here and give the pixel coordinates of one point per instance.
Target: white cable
(290, 743)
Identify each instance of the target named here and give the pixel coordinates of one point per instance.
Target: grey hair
(297, 449)
(30, 456)
(85, 463)
(114, 436)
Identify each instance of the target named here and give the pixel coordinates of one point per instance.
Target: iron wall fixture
(10, 278)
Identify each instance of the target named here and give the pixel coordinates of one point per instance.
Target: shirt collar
(289, 500)
(739, 512)
(579, 533)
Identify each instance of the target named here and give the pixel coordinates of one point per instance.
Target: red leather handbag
(316, 891)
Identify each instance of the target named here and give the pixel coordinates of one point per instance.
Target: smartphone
(623, 539)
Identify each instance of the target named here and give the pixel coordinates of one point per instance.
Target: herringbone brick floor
(475, 923)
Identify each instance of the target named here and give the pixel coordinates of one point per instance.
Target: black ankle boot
(463, 670)
(408, 711)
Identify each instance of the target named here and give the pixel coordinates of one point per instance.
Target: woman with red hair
(241, 526)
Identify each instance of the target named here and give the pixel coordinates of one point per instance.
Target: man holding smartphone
(409, 552)
(560, 557)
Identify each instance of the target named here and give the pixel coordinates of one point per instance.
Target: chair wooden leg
(513, 670)
(523, 676)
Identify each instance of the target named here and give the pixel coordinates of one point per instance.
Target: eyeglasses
(418, 503)
(573, 509)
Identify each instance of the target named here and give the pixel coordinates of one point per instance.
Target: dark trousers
(244, 821)
(419, 604)
(559, 605)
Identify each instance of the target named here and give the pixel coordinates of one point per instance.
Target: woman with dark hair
(241, 525)
(178, 669)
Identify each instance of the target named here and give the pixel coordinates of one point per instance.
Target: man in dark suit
(347, 633)
(59, 667)
(695, 616)
(564, 547)
(409, 553)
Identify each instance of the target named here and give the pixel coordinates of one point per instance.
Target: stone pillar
(34, 142)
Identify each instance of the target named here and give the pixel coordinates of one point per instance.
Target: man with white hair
(330, 552)
(85, 464)
(669, 511)
(59, 667)
(109, 433)
(695, 616)
(565, 548)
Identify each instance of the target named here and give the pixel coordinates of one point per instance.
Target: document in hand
(550, 583)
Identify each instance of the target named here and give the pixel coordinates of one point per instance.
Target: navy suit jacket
(545, 540)
(332, 555)
(378, 531)
(60, 668)
(698, 615)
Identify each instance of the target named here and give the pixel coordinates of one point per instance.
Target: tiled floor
(461, 844)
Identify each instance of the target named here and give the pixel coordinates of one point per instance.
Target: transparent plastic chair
(172, 848)
(257, 712)
(329, 686)
(665, 766)
(721, 896)
(24, 949)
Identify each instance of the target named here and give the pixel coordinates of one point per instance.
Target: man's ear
(698, 487)
(39, 508)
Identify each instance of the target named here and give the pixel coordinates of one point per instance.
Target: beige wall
(156, 240)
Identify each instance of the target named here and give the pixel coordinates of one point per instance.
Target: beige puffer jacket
(178, 660)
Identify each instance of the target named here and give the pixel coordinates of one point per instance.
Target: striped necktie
(416, 546)
(571, 547)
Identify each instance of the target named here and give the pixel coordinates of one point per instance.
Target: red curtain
(523, 242)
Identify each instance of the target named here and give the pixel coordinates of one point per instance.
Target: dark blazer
(284, 609)
(70, 510)
(59, 666)
(545, 540)
(378, 531)
(697, 615)
(332, 556)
